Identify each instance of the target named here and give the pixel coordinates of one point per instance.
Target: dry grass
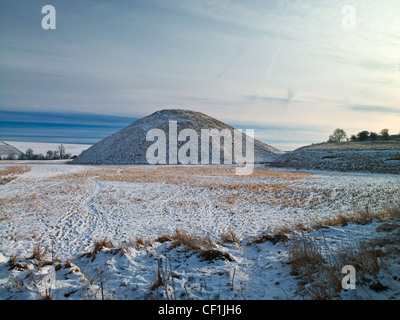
(360, 216)
(207, 254)
(320, 274)
(98, 245)
(140, 243)
(356, 145)
(183, 203)
(102, 244)
(164, 280)
(191, 175)
(161, 280)
(304, 253)
(318, 271)
(204, 246)
(44, 198)
(279, 235)
(14, 263)
(229, 237)
(38, 253)
(188, 240)
(263, 187)
(12, 172)
(163, 238)
(275, 193)
(246, 188)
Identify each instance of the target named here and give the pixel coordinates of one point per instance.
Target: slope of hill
(383, 157)
(129, 145)
(8, 150)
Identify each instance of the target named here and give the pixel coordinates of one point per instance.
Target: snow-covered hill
(369, 157)
(129, 145)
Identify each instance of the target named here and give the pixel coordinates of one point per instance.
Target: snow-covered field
(60, 210)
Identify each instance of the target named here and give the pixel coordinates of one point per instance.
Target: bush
(363, 135)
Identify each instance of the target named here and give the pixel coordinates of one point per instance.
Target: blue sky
(286, 68)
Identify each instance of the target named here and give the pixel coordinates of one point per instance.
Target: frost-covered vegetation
(196, 232)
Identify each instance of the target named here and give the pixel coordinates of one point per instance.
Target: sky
(292, 70)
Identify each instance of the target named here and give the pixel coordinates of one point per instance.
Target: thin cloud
(380, 109)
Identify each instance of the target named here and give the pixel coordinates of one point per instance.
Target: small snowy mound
(129, 145)
(347, 156)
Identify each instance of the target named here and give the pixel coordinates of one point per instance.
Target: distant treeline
(58, 154)
(340, 135)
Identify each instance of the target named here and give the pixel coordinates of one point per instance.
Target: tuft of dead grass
(229, 237)
(190, 241)
(102, 244)
(161, 279)
(140, 243)
(98, 245)
(279, 235)
(38, 253)
(204, 246)
(214, 254)
(14, 263)
(304, 254)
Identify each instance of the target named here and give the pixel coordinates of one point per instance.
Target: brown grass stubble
(262, 187)
(320, 277)
(12, 172)
(45, 198)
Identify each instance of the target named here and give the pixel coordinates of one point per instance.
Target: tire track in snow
(70, 223)
(97, 220)
(103, 223)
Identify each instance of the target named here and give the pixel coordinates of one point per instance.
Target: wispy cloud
(279, 100)
(380, 109)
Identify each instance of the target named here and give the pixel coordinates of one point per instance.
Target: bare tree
(49, 155)
(373, 136)
(61, 150)
(29, 153)
(337, 136)
(363, 135)
(384, 134)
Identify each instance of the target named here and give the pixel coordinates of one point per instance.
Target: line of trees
(58, 154)
(50, 154)
(340, 135)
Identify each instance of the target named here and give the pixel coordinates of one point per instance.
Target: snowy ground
(64, 208)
